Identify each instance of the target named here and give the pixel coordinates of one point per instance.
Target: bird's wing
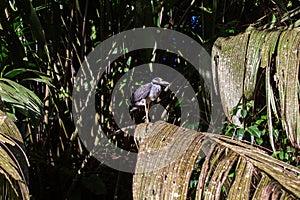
(140, 93)
(154, 92)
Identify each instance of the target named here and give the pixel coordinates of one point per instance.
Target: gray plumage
(147, 93)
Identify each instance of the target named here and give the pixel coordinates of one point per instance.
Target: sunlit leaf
(254, 131)
(20, 97)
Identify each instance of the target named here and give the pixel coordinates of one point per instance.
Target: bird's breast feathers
(140, 93)
(154, 92)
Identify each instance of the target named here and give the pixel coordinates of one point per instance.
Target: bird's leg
(147, 113)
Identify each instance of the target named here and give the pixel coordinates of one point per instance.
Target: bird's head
(160, 81)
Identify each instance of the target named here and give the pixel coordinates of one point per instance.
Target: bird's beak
(164, 83)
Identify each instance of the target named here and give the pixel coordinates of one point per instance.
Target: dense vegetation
(42, 44)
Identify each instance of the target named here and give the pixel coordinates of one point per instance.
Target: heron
(147, 93)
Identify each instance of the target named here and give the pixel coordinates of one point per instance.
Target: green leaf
(240, 133)
(290, 149)
(258, 122)
(275, 133)
(243, 113)
(41, 80)
(15, 72)
(254, 131)
(120, 103)
(259, 141)
(281, 155)
(198, 36)
(264, 117)
(178, 102)
(230, 130)
(128, 63)
(20, 98)
(250, 104)
(231, 175)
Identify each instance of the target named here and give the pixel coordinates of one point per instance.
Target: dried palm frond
(13, 162)
(229, 169)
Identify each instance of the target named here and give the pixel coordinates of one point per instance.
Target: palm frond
(21, 98)
(239, 60)
(229, 169)
(13, 162)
